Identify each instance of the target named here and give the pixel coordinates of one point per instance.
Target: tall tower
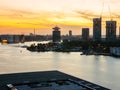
(110, 30)
(119, 32)
(70, 33)
(97, 29)
(56, 36)
(85, 33)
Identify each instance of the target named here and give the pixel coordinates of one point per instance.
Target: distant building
(56, 36)
(31, 34)
(110, 30)
(119, 32)
(85, 33)
(97, 28)
(10, 38)
(115, 51)
(70, 33)
(16, 38)
(22, 38)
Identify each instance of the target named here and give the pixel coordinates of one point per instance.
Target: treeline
(97, 46)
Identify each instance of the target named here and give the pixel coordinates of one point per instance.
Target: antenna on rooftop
(34, 31)
(34, 35)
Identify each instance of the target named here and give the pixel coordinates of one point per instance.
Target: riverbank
(102, 70)
(43, 48)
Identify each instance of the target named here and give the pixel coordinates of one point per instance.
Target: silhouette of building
(110, 30)
(10, 38)
(85, 33)
(56, 36)
(22, 38)
(119, 32)
(70, 33)
(97, 28)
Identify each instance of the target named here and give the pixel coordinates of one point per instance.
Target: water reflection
(103, 70)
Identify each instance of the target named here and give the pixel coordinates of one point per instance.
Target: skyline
(22, 16)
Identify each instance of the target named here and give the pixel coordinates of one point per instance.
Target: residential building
(97, 23)
(110, 30)
(85, 33)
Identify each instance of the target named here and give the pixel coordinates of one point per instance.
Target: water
(102, 70)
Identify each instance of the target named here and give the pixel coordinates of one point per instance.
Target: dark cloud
(90, 15)
(86, 14)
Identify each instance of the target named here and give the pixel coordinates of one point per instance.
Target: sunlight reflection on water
(102, 70)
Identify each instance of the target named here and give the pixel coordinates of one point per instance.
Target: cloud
(6, 12)
(86, 14)
(90, 15)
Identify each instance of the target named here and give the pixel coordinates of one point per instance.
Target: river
(102, 70)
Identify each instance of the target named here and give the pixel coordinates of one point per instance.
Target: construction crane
(102, 10)
(110, 13)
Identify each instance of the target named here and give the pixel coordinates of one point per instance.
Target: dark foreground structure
(47, 80)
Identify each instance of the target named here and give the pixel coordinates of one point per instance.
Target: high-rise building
(110, 30)
(97, 28)
(85, 33)
(70, 33)
(119, 32)
(56, 36)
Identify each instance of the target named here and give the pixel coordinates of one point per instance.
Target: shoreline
(69, 51)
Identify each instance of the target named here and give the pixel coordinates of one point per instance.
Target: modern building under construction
(111, 30)
(97, 24)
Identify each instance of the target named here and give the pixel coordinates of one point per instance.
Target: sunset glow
(22, 16)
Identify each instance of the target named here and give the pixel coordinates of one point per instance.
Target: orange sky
(22, 16)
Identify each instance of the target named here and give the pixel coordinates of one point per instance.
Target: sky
(22, 16)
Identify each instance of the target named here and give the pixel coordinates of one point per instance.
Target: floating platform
(45, 80)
